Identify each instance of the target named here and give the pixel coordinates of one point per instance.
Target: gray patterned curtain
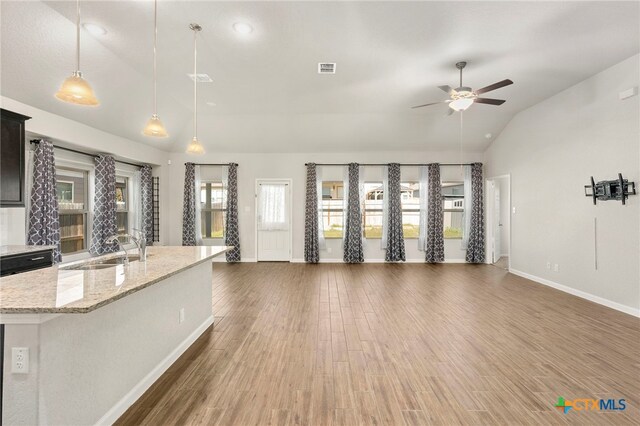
(475, 246)
(353, 252)
(311, 242)
(146, 193)
(395, 236)
(104, 206)
(232, 235)
(44, 222)
(434, 246)
(189, 206)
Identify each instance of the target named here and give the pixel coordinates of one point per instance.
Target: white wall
(73, 134)
(253, 166)
(551, 150)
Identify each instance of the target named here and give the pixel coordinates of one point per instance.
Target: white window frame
(414, 210)
(364, 209)
(453, 210)
(341, 210)
(225, 195)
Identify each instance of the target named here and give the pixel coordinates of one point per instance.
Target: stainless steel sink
(91, 267)
(102, 264)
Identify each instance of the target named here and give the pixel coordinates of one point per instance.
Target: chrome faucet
(114, 239)
(141, 243)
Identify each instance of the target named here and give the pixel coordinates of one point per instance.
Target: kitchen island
(99, 336)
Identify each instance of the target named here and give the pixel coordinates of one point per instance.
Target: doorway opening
(499, 221)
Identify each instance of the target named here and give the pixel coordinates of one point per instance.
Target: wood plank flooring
(395, 344)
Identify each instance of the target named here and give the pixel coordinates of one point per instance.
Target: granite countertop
(15, 249)
(60, 290)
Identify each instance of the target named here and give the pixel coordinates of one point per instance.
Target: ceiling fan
(462, 97)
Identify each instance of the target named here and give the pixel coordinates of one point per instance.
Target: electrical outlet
(20, 360)
(555, 267)
(549, 265)
(181, 316)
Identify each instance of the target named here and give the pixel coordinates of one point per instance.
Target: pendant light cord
(155, 44)
(78, 35)
(195, 84)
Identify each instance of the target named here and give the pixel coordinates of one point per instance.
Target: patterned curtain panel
(434, 246)
(475, 246)
(44, 222)
(104, 206)
(311, 242)
(232, 235)
(395, 236)
(189, 206)
(353, 252)
(146, 194)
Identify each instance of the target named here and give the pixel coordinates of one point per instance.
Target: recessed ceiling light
(94, 29)
(488, 136)
(242, 28)
(211, 104)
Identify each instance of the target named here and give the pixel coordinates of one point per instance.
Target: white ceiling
(268, 95)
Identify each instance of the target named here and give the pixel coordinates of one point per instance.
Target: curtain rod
(386, 164)
(210, 164)
(36, 141)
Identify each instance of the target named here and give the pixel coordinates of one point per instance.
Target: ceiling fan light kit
(75, 89)
(463, 97)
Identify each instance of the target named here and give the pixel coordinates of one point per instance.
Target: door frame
(490, 213)
(255, 208)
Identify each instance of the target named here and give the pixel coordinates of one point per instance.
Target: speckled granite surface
(11, 250)
(60, 290)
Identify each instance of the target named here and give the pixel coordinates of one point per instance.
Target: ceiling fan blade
(489, 101)
(494, 86)
(446, 88)
(432, 103)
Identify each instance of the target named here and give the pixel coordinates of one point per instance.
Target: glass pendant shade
(155, 128)
(76, 90)
(195, 147)
(461, 104)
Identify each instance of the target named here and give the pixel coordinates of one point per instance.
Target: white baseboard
(222, 259)
(134, 394)
(579, 293)
(379, 261)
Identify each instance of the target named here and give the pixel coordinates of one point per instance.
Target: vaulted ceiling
(267, 93)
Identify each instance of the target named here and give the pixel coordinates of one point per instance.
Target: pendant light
(75, 89)
(154, 126)
(195, 147)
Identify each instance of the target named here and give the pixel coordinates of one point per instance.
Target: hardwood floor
(396, 344)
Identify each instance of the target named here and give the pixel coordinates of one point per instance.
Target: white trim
(26, 318)
(298, 260)
(136, 392)
(579, 293)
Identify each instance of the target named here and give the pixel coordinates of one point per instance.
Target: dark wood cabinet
(23, 262)
(12, 159)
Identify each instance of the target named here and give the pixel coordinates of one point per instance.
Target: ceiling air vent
(200, 78)
(326, 68)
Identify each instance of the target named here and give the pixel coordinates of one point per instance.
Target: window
(122, 204)
(453, 208)
(213, 204)
(332, 209)
(72, 193)
(410, 199)
(372, 209)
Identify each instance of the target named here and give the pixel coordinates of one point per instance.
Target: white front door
(273, 214)
(497, 224)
